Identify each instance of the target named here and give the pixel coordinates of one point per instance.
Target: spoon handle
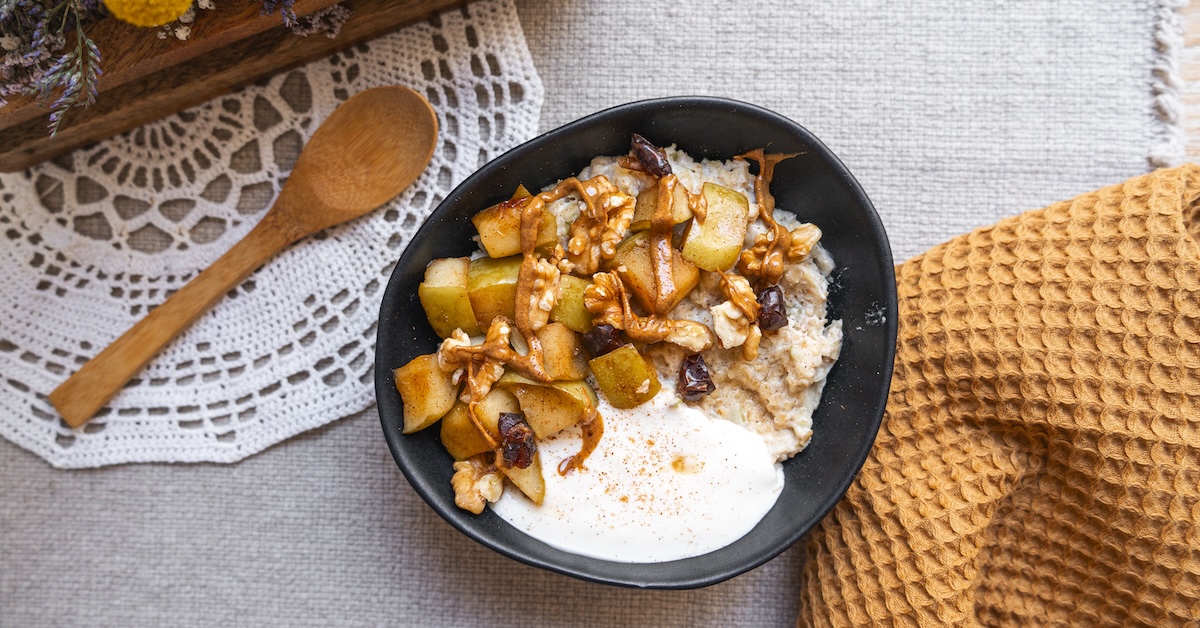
(85, 392)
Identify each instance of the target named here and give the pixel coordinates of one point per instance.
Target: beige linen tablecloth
(951, 115)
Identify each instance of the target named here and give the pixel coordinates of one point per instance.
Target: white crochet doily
(95, 239)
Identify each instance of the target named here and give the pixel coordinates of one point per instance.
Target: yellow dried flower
(148, 12)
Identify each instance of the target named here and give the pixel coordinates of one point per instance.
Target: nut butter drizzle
(662, 222)
(765, 258)
(607, 297)
(593, 429)
(653, 160)
(594, 236)
(605, 219)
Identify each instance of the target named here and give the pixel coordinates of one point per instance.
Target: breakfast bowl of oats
(651, 348)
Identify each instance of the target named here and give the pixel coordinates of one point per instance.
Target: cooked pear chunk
(569, 309)
(648, 199)
(492, 288)
(444, 296)
(459, 435)
(427, 391)
(499, 227)
(553, 407)
(529, 480)
(625, 377)
(492, 405)
(715, 243)
(633, 265)
(562, 352)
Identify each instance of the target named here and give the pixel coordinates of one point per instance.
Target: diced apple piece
(562, 352)
(499, 227)
(553, 407)
(625, 377)
(426, 390)
(459, 436)
(529, 480)
(569, 309)
(492, 288)
(648, 199)
(443, 294)
(633, 265)
(492, 405)
(716, 243)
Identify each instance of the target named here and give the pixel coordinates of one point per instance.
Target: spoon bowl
(367, 151)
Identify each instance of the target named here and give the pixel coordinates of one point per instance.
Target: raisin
(694, 380)
(516, 440)
(602, 339)
(771, 314)
(652, 158)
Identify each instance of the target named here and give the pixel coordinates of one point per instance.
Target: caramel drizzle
(496, 351)
(609, 301)
(698, 204)
(765, 258)
(662, 225)
(473, 412)
(593, 429)
(662, 222)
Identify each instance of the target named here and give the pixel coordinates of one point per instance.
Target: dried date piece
(652, 158)
(771, 313)
(694, 380)
(602, 339)
(516, 440)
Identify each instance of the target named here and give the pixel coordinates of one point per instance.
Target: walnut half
(475, 485)
(735, 320)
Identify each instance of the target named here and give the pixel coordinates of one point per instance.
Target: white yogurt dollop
(666, 482)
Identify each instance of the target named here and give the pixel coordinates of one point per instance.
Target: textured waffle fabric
(1039, 462)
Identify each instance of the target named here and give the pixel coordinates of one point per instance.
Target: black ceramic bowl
(814, 184)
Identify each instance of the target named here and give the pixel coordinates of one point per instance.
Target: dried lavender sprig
(327, 21)
(77, 73)
(33, 34)
(26, 44)
(287, 10)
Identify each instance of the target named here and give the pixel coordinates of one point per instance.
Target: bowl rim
(687, 580)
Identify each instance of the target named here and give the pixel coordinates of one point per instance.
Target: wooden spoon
(367, 151)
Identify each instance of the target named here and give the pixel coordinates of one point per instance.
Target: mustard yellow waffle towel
(1039, 462)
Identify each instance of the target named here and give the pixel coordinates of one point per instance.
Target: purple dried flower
(44, 51)
(328, 21)
(37, 58)
(287, 10)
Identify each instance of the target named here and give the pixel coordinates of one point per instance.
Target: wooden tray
(146, 78)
